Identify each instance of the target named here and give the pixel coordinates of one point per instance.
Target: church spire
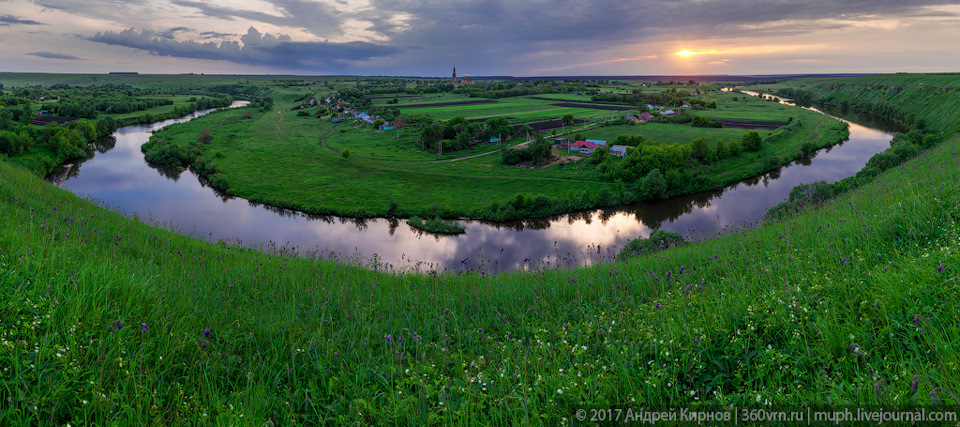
(454, 79)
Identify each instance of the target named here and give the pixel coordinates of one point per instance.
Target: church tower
(454, 79)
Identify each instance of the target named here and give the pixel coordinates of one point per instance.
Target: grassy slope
(771, 314)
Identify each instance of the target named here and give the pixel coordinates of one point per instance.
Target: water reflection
(121, 179)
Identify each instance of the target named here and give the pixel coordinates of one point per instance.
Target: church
(466, 80)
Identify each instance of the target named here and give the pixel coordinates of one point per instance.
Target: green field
(285, 160)
(661, 132)
(110, 321)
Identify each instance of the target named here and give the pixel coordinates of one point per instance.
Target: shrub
(657, 241)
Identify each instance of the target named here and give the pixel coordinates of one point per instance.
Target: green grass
(853, 303)
(663, 133)
(251, 152)
(178, 101)
(236, 336)
(279, 158)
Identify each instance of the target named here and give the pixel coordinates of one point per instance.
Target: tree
(526, 129)
(599, 154)
(461, 141)
(205, 136)
(655, 184)
(733, 148)
(701, 148)
(567, 119)
(345, 153)
(750, 141)
(721, 149)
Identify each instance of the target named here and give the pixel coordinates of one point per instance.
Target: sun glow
(686, 53)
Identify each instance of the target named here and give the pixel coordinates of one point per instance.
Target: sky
(482, 37)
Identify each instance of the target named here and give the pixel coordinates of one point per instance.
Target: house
(669, 113)
(398, 125)
(598, 142)
(583, 147)
(337, 119)
(561, 142)
(632, 119)
(619, 150)
(646, 116)
(494, 139)
(386, 127)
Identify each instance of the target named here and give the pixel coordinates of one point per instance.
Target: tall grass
(107, 320)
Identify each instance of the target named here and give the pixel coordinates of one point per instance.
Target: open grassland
(662, 132)
(255, 156)
(106, 320)
(316, 166)
(519, 109)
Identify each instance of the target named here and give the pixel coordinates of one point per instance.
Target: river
(116, 175)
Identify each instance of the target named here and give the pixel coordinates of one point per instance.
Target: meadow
(315, 166)
(106, 319)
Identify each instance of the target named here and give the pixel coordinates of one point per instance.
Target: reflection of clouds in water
(123, 180)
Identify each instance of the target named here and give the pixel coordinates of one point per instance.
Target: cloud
(53, 55)
(316, 18)
(13, 20)
(254, 48)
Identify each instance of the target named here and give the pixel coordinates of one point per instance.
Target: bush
(658, 241)
(750, 141)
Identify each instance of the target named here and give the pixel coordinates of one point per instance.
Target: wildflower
(915, 383)
(119, 325)
(143, 329)
(388, 338)
(940, 269)
(206, 333)
(399, 340)
(917, 319)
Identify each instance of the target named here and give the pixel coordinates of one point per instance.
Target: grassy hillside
(106, 320)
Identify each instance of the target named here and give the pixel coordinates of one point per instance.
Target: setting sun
(685, 53)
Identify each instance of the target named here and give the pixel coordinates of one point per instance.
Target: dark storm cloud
(545, 21)
(169, 34)
(507, 30)
(256, 49)
(316, 18)
(53, 55)
(13, 20)
(215, 35)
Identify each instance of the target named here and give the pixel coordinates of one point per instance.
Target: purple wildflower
(119, 325)
(915, 383)
(917, 319)
(206, 333)
(143, 329)
(388, 338)
(940, 269)
(659, 306)
(399, 340)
